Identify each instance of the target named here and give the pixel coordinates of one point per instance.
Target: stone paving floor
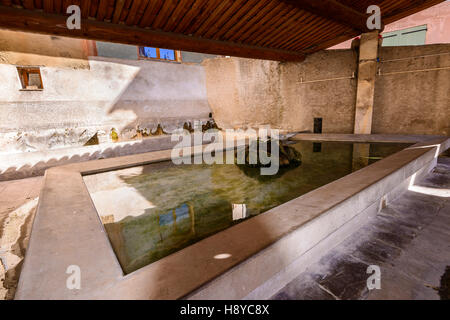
(18, 200)
(409, 240)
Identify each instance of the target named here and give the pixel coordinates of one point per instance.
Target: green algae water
(152, 211)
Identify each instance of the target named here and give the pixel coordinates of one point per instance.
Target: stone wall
(244, 92)
(414, 100)
(20, 48)
(90, 97)
(87, 96)
(323, 86)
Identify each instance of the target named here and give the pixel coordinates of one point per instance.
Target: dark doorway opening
(317, 125)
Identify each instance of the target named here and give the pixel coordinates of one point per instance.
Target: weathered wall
(79, 102)
(322, 86)
(20, 48)
(116, 50)
(123, 51)
(290, 95)
(195, 57)
(413, 102)
(85, 95)
(244, 92)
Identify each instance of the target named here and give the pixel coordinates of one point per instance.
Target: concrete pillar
(368, 54)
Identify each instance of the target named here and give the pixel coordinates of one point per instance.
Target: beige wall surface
(244, 92)
(79, 101)
(20, 48)
(323, 86)
(414, 100)
(85, 95)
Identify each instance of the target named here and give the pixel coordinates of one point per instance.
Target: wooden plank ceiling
(285, 30)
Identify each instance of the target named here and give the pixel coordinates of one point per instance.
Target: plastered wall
(415, 99)
(87, 95)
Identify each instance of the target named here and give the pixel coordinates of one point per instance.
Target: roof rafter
(34, 21)
(333, 10)
(284, 30)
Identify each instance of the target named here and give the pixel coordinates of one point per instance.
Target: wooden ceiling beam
(415, 6)
(54, 24)
(333, 10)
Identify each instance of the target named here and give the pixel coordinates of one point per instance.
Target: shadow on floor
(409, 240)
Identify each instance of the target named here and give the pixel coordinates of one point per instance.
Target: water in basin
(155, 210)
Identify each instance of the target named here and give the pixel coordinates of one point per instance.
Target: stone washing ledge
(363, 138)
(270, 247)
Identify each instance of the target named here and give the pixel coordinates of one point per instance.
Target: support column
(368, 54)
(367, 70)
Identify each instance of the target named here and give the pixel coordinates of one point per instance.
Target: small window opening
(317, 125)
(30, 78)
(159, 54)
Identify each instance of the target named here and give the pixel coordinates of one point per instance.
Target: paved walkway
(18, 200)
(409, 240)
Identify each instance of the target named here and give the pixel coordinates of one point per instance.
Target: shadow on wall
(20, 48)
(161, 94)
(129, 96)
(71, 109)
(114, 101)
